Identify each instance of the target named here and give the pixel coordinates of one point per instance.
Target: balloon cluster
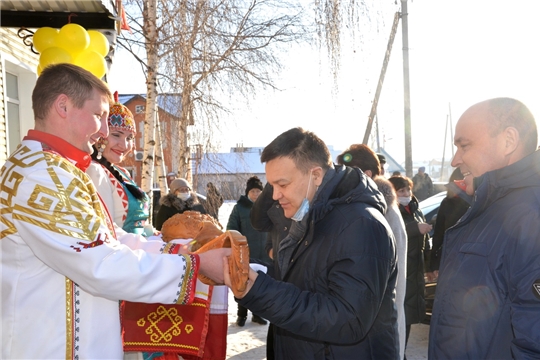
(74, 45)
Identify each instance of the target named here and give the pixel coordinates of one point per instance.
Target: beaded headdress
(120, 117)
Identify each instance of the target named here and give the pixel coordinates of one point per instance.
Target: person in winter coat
(363, 157)
(267, 215)
(239, 220)
(337, 264)
(417, 243)
(487, 303)
(214, 200)
(450, 211)
(179, 199)
(423, 185)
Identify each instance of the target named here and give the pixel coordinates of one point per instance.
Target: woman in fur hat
(179, 199)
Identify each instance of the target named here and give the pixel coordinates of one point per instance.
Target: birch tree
(206, 51)
(213, 51)
(335, 19)
(151, 43)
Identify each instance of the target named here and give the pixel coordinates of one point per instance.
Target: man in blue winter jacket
(487, 304)
(336, 297)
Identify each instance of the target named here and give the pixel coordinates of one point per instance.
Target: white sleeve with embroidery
(62, 222)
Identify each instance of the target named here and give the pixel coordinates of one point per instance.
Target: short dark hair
(303, 147)
(508, 112)
(68, 79)
(399, 182)
(360, 156)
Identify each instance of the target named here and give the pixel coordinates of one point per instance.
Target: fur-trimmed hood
(386, 188)
(172, 200)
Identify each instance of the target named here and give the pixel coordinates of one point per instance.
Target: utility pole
(373, 111)
(441, 177)
(378, 138)
(406, 89)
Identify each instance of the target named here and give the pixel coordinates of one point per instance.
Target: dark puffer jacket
(336, 300)
(451, 210)
(171, 205)
(487, 304)
(267, 215)
(239, 220)
(415, 300)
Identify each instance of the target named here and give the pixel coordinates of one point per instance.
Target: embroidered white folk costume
(63, 271)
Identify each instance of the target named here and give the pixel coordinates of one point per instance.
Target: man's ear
(511, 140)
(369, 173)
(318, 175)
(61, 104)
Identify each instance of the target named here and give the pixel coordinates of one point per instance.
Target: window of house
(139, 109)
(13, 118)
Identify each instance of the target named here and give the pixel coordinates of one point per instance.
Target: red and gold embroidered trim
(187, 289)
(119, 190)
(70, 321)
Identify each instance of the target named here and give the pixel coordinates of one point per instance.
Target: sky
(460, 52)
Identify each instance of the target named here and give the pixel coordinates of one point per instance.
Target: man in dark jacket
(487, 303)
(338, 262)
(267, 215)
(422, 184)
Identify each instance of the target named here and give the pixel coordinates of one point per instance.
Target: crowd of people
(341, 250)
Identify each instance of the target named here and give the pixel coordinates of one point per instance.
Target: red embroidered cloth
(180, 329)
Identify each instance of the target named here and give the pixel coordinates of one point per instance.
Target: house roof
(170, 103)
(90, 14)
(238, 161)
(234, 162)
(391, 163)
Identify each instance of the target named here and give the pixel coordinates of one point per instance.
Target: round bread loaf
(188, 225)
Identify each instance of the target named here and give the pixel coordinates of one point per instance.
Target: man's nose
(456, 161)
(104, 129)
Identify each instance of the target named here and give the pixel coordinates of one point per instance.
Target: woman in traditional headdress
(126, 202)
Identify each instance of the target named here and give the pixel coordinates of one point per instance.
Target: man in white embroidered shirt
(63, 268)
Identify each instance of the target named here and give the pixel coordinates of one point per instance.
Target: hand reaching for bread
(207, 237)
(238, 259)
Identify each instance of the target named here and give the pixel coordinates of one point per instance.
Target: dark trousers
(242, 311)
(407, 333)
(270, 342)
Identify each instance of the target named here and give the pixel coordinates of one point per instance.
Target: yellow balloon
(98, 42)
(45, 38)
(93, 62)
(73, 38)
(54, 55)
(39, 69)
